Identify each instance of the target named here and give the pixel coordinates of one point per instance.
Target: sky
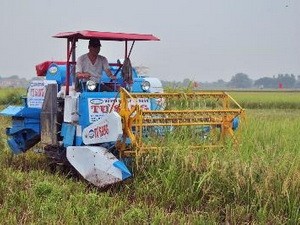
(202, 40)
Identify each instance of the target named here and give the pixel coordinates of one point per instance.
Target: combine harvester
(96, 131)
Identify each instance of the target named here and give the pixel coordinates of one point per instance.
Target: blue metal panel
(19, 124)
(68, 134)
(58, 73)
(136, 86)
(34, 113)
(121, 166)
(20, 111)
(25, 130)
(84, 98)
(78, 141)
(11, 110)
(22, 139)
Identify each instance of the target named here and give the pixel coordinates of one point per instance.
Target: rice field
(267, 99)
(256, 183)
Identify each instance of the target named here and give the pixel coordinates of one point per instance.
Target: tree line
(242, 80)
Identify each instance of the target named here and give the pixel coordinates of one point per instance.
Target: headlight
(91, 85)
(145, 85)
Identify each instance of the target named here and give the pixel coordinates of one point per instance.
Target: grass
(258, 183)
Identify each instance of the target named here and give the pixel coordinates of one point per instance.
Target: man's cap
(94, 42)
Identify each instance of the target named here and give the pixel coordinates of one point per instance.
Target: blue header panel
(94, 105)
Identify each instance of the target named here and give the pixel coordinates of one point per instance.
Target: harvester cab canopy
(73, 37)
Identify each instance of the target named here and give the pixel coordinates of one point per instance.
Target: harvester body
(96, 131)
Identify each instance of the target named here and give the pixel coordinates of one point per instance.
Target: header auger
(96, 131)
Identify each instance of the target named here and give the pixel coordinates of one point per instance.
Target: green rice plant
(11, 96)
(267, 99)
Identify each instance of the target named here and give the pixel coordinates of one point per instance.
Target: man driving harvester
(91, 65)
